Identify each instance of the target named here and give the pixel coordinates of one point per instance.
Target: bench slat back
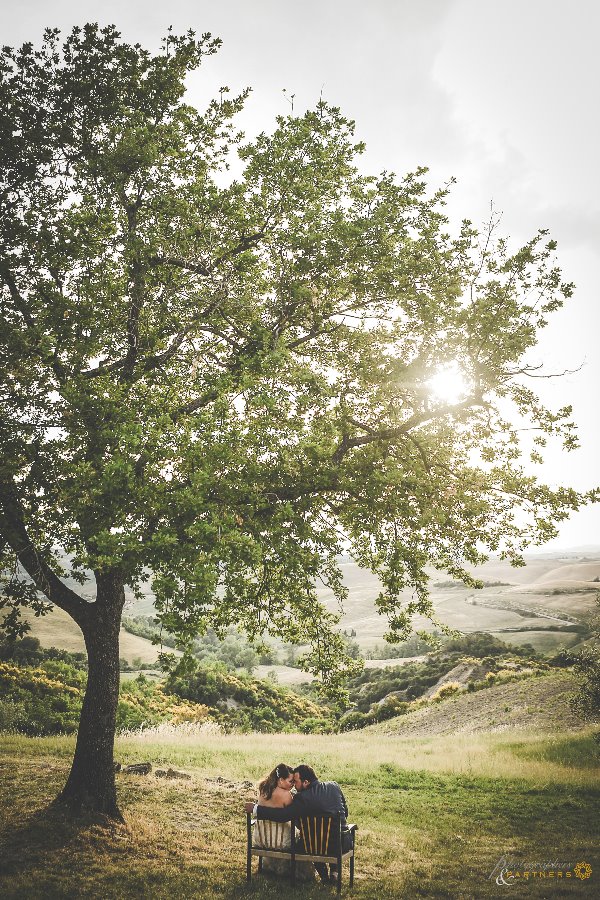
(318, 834)
(271, 835)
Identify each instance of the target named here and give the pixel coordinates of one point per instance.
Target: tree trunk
(91, 782)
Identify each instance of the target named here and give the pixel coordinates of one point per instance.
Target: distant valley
(546, 604)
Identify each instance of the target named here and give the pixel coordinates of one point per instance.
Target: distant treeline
(41, 690)
(234, 649)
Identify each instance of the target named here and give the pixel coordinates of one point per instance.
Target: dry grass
(434, 815)
(57, 629)
(361, 754)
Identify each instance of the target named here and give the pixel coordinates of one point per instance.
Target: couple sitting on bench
(319, 810)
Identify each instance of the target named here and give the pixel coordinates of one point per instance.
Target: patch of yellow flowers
(32, 679)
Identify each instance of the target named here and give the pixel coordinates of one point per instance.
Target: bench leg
(260, 862)
(351, 870)
(248, 847)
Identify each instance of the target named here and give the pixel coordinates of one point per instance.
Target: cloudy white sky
(503, 96)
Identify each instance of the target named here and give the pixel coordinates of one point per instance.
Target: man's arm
(344, 804)
(277, 814)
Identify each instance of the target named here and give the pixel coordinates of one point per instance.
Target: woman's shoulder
(279, 797)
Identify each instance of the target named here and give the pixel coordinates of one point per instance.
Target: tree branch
(388, 434)
(15, 294)
(246, 242)
(179, 263)
(13, 530)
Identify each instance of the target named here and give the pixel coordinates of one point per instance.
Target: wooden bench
(320, 840)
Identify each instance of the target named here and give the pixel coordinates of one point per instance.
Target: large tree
(223, 382)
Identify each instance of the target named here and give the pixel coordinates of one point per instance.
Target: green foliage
(587, 666)
(562, 659)
(478, 644)
(233, 649)
(143, 703)
(28, 651)
(410, 680)
(380, 694)
(40, 688)
(247, 703)
(46, 699)
(223, 382)
(414, 646)
(446, 690)
(35, 701)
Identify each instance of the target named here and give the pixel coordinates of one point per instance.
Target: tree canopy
(226, 382)
(222, 382)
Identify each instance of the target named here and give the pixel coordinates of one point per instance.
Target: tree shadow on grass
(52, 828)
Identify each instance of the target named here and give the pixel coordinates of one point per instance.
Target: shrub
(388, 709)
(353, 720)
(246, 703)
(446, 690)
(35, 703)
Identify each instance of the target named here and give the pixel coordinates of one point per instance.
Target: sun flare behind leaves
(449, 384)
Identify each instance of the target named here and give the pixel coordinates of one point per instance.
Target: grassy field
(57, 629)
(435, 815)
(488, 609)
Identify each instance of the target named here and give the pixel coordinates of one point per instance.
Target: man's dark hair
(306, 773)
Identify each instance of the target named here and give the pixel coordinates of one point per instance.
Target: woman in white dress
(275, 790)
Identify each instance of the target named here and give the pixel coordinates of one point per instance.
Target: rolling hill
(537, 604)
(57, 629)
(540, 703)
(533, 604)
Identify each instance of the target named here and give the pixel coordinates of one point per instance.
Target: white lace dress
(278, 836)
(273, 836)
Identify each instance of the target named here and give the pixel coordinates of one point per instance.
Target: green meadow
(435, 815)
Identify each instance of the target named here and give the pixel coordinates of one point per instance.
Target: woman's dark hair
(269, 783)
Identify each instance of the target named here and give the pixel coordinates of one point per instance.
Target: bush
(312, 725)
(234, 650)
(246, 703)
(353, 720)
(446, 690)
(28, 651)
(410, 680)
(36, 702)
(47, 699)
(477, 644)
(388, 709)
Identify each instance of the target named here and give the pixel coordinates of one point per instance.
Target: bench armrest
(352, 827)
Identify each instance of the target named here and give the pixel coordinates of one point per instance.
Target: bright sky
(503, 96)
